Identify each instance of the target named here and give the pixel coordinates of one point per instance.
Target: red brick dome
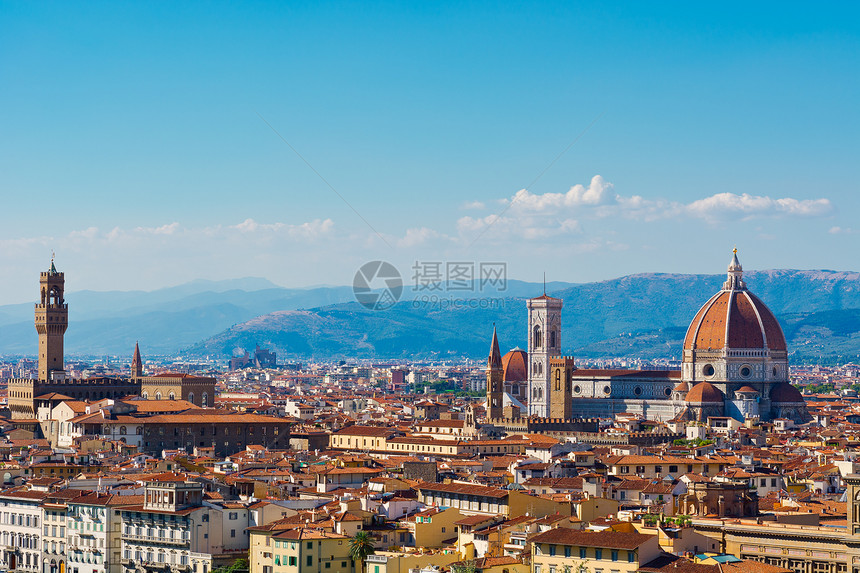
(785, 392)
(734, 318)
(514, 364)
(705, 393)
(681, 387)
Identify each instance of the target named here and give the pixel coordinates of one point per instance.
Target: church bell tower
(52, 320)
(544, 344)
(495, 381)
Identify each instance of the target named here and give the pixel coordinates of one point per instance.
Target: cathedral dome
(734, 318)
(514, 365)
(705, 393)
(785, 392)
(681, 387)
(746, 390)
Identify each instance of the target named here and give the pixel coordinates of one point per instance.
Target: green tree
(464, 567)
(360, 547)
(237, 566)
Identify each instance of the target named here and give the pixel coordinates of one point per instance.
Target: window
(552, 550)
(598, 553)
(631, 557)
(292, 561)
(673, 469)
(582, 553)
(232, 533)
(310, 560)
(615, 555)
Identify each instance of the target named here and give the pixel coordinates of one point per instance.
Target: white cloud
(307, 230)
(252, 226)
(87, 234)
(598, 192)
(312, 229)
(540, 215)
(418, 236)
(841, 231)
(473, 205)
(724, 205)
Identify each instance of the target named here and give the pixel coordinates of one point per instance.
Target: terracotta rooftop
(606, 539)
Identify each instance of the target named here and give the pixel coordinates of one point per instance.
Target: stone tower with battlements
(52, 320)
(560, 394)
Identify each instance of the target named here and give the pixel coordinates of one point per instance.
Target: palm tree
(360, 547)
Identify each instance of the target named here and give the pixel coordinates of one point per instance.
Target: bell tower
(495, 381)
(52, 320)
(136, 362)
(544, 343)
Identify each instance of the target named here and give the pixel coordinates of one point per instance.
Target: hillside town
(143, 466)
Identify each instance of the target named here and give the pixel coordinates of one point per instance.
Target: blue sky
(132, 145)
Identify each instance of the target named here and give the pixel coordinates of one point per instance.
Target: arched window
(204, 400)
(158, 395)
(537, 339)
(191, 397)
(144, 395)
(172, 396)
(122, 430)
(557, 379)
(552, 338)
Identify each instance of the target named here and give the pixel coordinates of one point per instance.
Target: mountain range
(644, 315)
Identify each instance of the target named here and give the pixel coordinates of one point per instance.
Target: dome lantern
(734, 280)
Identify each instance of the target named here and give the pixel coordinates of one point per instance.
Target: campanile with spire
(495, 380)
(52, 320)
(136, 362)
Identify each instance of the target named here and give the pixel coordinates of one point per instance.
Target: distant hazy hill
(640, 315)
(165, 320)
(168, 320)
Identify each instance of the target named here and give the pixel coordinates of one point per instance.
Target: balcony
(154, 566)
(154, 539)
